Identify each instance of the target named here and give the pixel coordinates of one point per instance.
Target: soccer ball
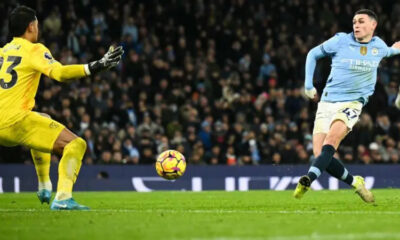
(170, 164)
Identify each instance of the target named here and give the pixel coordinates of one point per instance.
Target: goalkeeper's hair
(370, 13)
(19, 19)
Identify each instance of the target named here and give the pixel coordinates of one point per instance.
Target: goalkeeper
(22, 61)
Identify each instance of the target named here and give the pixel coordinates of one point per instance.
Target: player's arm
(394, 49)
(328, 48)
(44, 62)
(63, 73)
(311, 61)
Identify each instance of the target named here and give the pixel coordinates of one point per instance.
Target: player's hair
(19, 20)
(368, 12)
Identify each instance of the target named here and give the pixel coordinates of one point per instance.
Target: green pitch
(254, 215)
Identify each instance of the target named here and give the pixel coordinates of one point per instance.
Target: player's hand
(311, 93)
(109, 60)
(396, 45)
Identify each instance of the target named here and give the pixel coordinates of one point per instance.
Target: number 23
(10, 70)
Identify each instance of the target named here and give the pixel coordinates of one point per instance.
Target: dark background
(221, 81)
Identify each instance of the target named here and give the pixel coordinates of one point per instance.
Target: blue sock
(322, 162)
(337, 169)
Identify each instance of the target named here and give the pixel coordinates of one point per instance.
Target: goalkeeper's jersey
(21, 65)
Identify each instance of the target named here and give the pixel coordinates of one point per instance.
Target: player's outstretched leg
(42, 165)
(68, 170)
(338, 170)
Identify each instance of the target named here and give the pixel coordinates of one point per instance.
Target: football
(171, 164)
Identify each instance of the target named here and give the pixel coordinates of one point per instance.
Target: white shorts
(328, 112)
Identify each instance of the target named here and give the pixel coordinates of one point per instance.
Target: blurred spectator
(214, 157)
(230, 157)
(52, 24)
(129, 28)
(363, 154)
(376, 154)
(106, 157)
(205, 135)
(276, 158)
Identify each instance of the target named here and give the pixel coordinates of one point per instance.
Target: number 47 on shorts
(350, 113)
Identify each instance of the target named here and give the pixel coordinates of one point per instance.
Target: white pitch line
(217, 211)
(316, 236)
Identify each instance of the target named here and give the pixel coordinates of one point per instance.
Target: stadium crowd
(220, 81)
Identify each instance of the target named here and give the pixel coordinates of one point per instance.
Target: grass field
(253, 215)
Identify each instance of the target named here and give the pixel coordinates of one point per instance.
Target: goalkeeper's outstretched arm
(64, 73)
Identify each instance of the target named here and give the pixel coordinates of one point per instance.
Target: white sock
(45, 185)
(63, 195)
(353, 182)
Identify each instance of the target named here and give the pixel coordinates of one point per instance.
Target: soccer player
(355, 59)
(22, 61)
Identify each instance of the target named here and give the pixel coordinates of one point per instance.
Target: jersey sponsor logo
(361, 65)
(374, 51)
(363, 50)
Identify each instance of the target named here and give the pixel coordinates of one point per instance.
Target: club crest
(374, 51)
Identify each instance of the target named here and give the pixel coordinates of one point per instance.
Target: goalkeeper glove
(109, 60)
(310, 92)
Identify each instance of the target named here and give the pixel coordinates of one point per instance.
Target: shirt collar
(355, 40)
(20, 40)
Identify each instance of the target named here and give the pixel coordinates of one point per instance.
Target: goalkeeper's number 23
(10, 70)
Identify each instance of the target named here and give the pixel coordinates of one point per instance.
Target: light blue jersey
(354, 67)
